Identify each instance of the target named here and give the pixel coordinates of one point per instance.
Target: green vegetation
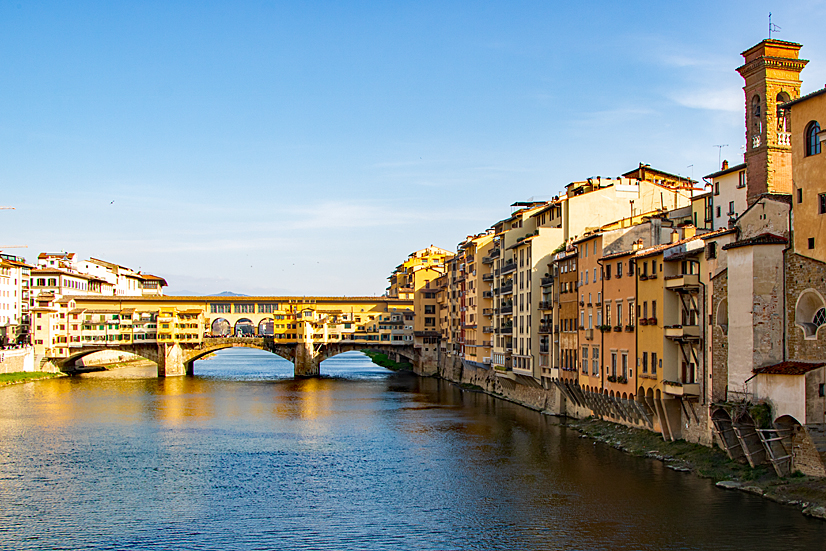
(382, 360)
(11, 378)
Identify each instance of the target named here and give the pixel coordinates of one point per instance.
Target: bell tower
(772, 74)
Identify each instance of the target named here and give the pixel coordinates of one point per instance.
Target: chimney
(689, 231)
(725, 164)
(675, 236)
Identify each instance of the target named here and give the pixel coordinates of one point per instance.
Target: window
(799, 195)
(429, 309)
(812, 139)
(730, 208)
(742, 182)
(607, 314)
(821, 199)
(653, 363)
(719, 212)
(619, 268)
(645, 362)
(607, 271)
(811, 242)
(716, 188)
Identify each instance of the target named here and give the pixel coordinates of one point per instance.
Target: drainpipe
(601, 333)
(706, 384)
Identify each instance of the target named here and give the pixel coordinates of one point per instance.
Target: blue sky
(308, 147)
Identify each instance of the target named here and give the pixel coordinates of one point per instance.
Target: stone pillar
(306, 364)
(170, 360)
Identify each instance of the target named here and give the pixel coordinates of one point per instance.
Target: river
(240, 456)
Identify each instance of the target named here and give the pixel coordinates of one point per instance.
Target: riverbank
(383, 360)
(805, 492)
(26, 377)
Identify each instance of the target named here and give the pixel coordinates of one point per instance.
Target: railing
(508, 267)
(487, 311)
(784, 139)
(546, 281)
(487, 277)
(545, 305)
(507, 309)
(545, 328)
(487, 330)
(507, 330)
(487, 294)
(506, 288)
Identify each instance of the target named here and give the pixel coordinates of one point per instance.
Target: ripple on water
(241, 456)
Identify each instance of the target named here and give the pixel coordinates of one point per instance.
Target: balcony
(506, 330)
(509, 267)
(681, 389)
(487, 311)
(546, 281)
(506, 289)
(686, 282)
(546, 305)
(487, 330)
(506, 309)
(543, 348)
(589, 334)
(545, 328)
(487, 277)
(487, 294)
(784, 139)
(683, 332)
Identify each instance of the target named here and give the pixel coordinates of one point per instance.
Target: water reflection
(241, 457)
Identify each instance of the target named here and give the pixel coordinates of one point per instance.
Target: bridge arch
(220, 328)
(284, 352)
(244, 328)
(266, 327)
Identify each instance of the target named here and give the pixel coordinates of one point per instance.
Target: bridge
(174, 332)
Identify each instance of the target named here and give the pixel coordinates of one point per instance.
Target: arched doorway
(244, 328)
(221, 328)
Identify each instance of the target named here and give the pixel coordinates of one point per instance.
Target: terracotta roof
(728, 170)
(803, 98)
(642, 253)
(715, 233)
(762, 239)
(789, 368)
(617, 255)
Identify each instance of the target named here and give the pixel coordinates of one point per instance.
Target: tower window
(811, 242)
(822, 203)
(799, 195)
(812, 138)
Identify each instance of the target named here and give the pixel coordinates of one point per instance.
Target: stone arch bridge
(178, 358)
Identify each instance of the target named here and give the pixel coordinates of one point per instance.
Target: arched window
(812, 138)
(757, 121)
(810, 313)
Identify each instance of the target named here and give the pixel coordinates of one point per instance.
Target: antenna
(692, 170)
(772, 27)
(720, 153)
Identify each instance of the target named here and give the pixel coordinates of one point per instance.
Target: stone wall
(17, 360)
(719, 347)
(803, 273)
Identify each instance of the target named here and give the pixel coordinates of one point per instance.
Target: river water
(241, 456)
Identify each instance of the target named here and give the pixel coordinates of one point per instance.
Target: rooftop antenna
(772, 27)
(692, 170)
(720, 153)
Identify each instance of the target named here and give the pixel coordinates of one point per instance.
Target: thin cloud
(723, 99)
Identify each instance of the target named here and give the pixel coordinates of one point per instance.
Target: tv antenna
(720, 153)
(772, 27)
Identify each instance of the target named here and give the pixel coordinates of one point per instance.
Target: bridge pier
(307, 363)
(171, 362)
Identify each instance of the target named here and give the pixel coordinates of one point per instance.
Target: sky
(306, 148)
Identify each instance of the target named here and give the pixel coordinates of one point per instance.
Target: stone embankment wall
(17, 360)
